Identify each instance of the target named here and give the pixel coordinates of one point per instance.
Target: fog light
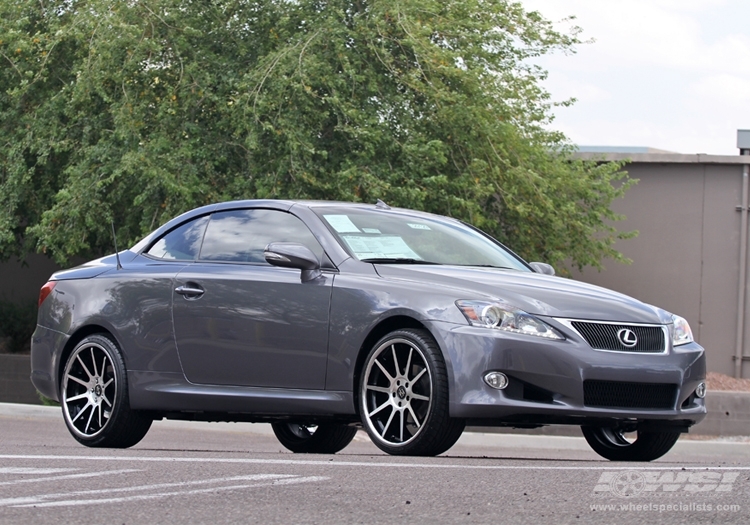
(701, 391)
(496, 380)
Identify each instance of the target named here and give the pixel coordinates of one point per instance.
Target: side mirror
(542, 268)
(293, 255)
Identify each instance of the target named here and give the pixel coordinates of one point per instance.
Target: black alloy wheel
(94, 396)
(403, 396)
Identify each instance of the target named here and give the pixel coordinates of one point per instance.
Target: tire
(311, 439)
(403, 396)
(610, 443)
(94, 396)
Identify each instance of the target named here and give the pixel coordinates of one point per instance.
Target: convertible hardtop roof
(279, 204)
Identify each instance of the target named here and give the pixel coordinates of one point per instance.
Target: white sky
(667, 74)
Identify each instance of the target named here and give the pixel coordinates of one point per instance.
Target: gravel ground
(716, 381)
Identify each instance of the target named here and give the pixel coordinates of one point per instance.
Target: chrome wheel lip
(400, 390)
(100, 399)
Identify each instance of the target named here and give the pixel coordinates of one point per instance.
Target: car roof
(279, 204)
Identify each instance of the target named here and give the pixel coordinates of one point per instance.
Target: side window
(181, 244)
(242, 235)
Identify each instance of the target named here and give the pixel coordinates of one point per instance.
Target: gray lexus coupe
(319, 317)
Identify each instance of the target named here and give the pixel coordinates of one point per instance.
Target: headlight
(681, 333)
(503, 316)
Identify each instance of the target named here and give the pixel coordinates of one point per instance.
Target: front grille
(603, 336)
(616, 394)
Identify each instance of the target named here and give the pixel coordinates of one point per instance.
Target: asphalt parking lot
(232, 473)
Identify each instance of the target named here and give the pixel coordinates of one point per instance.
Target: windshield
(397, 237)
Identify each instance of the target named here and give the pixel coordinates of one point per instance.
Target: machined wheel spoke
(381, 407)
(104, 365)
(91, 416)
(420, 397)
(76, 398)
(383, 389)
(395, 361)
(100, 415)
(84, 366)
(390, 377)
(420, 374)
(81, 412)
(401, 425)
(93, 361)
(414, 416)
(408, 363)
(390, 419)
(105, 385)
(104, 398)
(79, 381)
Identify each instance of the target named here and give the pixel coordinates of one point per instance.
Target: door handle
(189, 292)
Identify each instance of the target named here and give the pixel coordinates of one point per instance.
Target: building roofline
(665, 158)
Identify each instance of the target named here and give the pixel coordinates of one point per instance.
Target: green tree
(137, 111)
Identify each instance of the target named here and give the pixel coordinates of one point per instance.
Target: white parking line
(40, 498)
(68, 476)
(333, 462)
(141, 497)
(37, 471)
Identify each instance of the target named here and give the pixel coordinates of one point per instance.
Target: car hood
(532, 292)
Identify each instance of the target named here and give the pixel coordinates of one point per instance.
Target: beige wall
(686, 257)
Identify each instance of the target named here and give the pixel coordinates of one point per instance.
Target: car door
(240, 321)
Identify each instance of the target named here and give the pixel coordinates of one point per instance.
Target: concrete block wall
(728, 414)
(15, 385)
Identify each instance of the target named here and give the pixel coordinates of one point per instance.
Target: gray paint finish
(256, 342)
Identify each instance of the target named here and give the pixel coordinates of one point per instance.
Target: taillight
(45, 291)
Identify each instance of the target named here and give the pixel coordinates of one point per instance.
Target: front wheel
(612, 444)
(94, 396)
(403, 396)
(313, 439)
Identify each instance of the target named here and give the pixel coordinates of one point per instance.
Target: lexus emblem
(627, 337)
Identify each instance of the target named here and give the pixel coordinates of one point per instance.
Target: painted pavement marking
(262, 480)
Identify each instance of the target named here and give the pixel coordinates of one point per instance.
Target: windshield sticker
(384, 247)
(418, 226)
(370, 230)
(341, 223)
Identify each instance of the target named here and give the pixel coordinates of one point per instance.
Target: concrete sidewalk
(734, 447)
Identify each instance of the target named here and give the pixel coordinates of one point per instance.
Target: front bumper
(547, 379)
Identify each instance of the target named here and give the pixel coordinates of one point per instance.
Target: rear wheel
(313, 439)
(613, 444)
(403, 396)
(94, 396)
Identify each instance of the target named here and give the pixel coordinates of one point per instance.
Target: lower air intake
(616, 394)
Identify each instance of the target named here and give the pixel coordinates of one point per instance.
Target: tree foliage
(136, 111)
